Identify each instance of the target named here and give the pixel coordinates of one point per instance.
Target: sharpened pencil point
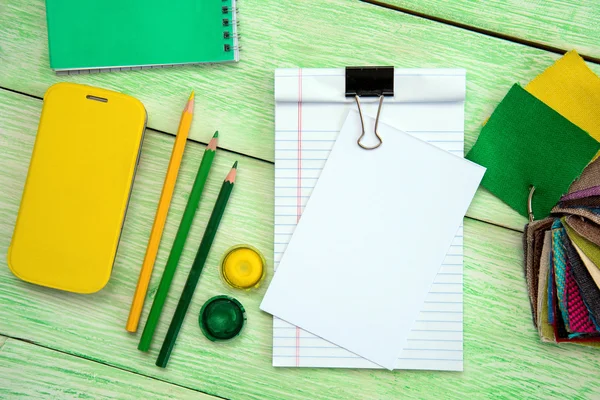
(189, 107)
(212, 145)
(232, 173)
(216, 134)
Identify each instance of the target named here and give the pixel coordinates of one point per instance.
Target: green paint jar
(222, 318)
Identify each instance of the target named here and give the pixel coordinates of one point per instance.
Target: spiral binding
(230, 20)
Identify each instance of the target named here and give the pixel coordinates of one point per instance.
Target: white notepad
(310, 110)
(371, 240)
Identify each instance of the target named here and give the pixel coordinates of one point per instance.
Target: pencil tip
(232, 173)
(212, 144)
(189, 107)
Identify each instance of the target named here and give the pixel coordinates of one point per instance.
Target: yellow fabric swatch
(573, 90)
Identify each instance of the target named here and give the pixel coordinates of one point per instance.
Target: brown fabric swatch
(593, 201)
(533, 244)
(588, 178)
(582, 212)
(585, 228)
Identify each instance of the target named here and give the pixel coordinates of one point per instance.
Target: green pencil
(197, 266)
(177, 249)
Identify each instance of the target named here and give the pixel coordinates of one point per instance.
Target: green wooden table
(61, 345)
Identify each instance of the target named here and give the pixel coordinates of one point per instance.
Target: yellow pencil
(161, 217)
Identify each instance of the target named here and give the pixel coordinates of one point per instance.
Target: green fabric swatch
(115, 33)
(526, 143)
(589, 249)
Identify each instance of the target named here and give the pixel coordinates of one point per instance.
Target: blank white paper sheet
(310, 108)
(371, 240)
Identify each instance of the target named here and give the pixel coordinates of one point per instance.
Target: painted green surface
(33, 372)
(238, 99)
(503, 355)
(281, 33)
(120, 35)
(565, 24)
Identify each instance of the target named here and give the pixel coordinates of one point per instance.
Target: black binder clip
(369, 82)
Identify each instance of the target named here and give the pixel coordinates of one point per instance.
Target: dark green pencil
(197, 266)
(178, 244)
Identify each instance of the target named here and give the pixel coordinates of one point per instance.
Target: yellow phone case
(77, 189)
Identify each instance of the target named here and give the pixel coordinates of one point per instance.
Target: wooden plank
(246, 220)
(33, 372)
(562, 24)
(502, 351)
(2, 341)
(237, 99)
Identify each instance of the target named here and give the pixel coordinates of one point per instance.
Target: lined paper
(305, 133)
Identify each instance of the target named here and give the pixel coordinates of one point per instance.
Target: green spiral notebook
(107, 35)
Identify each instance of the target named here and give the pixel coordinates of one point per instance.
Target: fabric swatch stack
(562, 255)
(540, 147)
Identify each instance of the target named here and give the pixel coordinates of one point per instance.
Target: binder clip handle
(362, 122)
(369, 82)
(529, 203)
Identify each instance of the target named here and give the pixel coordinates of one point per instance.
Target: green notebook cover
(101, 34)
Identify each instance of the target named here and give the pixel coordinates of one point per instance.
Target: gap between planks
(2, 341)
(254, 158)
(2, 337)
(156, 130)
(460, 25)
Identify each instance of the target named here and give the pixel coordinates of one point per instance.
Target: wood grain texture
(34, 372)
(564, 24)
(238, 99)
(503, 355)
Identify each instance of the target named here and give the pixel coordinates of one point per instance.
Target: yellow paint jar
(243, 267)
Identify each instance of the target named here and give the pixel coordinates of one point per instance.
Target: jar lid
(243, 267)
(222, 318)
